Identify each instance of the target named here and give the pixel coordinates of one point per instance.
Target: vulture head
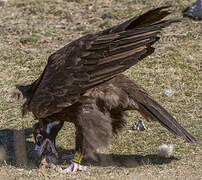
(44, 135)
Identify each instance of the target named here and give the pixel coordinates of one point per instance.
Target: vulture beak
(39, 138)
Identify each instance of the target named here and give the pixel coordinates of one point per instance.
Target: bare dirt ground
(30, 30)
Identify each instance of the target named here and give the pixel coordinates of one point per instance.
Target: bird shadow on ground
(15, 147)
(131, 161)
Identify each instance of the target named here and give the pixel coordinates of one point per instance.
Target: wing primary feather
(153, 27)
(135, 39)
(132, 38)
(132, 46)
(149, 17)
(156, 112)
(118, 62)
(95, 57)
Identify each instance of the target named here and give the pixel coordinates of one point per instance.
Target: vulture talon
(74, 167)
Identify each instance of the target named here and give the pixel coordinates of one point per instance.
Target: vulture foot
(74, 167)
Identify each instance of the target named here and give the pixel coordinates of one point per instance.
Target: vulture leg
(77, 158)
(93, 130)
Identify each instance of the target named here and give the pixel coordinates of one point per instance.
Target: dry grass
(30, 30)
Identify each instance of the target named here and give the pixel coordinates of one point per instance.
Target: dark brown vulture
(82, 84)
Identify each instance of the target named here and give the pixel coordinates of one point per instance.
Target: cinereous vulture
(82, 83)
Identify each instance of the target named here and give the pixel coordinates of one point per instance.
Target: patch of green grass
(119, 13)
(77, 1)
(81, 28)
(30, 39)
(123, 13)
(106, 24)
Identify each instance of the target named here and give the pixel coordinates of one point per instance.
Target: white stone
(165, 150)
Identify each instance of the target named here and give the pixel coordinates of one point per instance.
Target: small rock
(165, 150)
(168, 92)
(195, 11)
(139, 126)
(190, 57)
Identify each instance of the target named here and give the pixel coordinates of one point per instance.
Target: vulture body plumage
(82, 84)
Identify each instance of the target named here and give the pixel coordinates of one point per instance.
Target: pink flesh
(39, 136)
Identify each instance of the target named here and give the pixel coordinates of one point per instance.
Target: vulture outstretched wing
(94, 59)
